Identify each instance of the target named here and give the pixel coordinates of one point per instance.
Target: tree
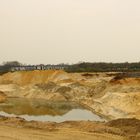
(12, 63)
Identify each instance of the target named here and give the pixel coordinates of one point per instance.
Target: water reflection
(22, 106)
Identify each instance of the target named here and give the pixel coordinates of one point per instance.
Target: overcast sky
(56, 31)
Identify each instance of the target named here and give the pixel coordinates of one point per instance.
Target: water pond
(42, 110)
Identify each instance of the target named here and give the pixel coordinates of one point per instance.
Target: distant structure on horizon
(37, 67)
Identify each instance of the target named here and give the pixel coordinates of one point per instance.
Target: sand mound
(33, 77)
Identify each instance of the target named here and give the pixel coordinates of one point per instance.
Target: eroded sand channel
(42, 110)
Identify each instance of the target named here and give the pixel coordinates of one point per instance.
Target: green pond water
(42, 110)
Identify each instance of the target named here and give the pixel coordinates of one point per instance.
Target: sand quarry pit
(116, 100)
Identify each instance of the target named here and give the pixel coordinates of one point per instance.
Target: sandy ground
(19, 129)
(10, 133)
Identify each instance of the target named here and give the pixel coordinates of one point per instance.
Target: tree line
(103, 67)
(84, 67)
